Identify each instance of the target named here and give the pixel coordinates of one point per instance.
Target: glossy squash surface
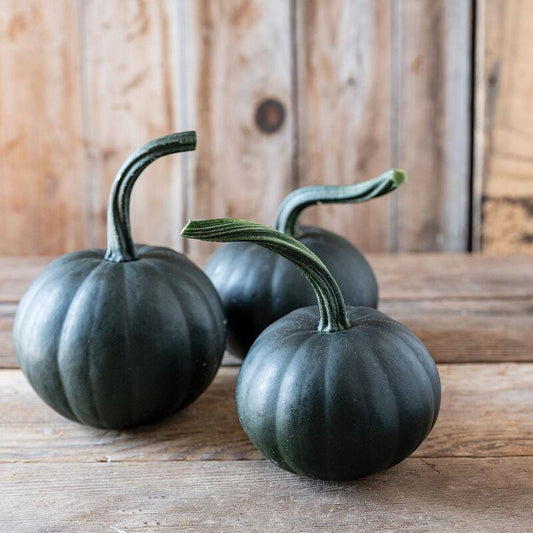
(331, 391)
(257, 287)
(121, 337)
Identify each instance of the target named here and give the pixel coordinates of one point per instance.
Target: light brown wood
(506, 163)
(453, 276)
(464, 308)
(455, 331)
(487, 411)
(129, 86)
(344, 110)
(415, 496)
(234, 56)
(467, 331)
(41, 165)
(431, 62)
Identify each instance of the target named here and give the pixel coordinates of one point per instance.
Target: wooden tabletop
(197, 471)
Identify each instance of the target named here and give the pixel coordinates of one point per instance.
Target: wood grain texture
(467, 331)
(487, 411)
(505, 166)
(464, 308)
(415, 496)
(129, 75)
(41, 164)
(236, 54)
(431, 64)
(344, 110)
(453, 276)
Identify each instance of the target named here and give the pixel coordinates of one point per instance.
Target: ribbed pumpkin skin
(116, 345)
(337, 406)
(257, 287)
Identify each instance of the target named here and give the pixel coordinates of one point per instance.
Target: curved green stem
(295, 202)
(120, 246)
(330, 301)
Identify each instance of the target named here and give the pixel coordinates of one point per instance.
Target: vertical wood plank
(431, 125)
(505, 164)
(41, 179)
(128, 52)
(238, 55)
(344, 110)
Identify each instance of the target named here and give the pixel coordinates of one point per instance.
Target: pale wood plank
(41, 163)
(16, 274)
(236, 55)
(130, 78)
(504, 126)
(487, 411)
(455, 331)
(467, 331)
(453, 276)
(464, 308)
(415, 496)
(344, 109)
(431, 62)
(401, 276)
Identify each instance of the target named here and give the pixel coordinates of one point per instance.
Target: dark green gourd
(121, 337)
(257, 287)
(330, 392)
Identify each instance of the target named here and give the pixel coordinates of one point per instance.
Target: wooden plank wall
(503, 173)
(282, 93)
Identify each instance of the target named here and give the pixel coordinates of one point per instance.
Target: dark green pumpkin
(258, 287)
(121, 337)
(330, 392)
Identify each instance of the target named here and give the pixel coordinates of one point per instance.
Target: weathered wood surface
(464, 308)
(418, 495)
(235, 56)
(356, 86)
(487, 411)
(430, 88)
(41, 159)
(504, 163)
(129, 83)
(198, 471)
(344, 110)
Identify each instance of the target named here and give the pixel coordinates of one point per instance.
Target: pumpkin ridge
(184, 319)
(280, 400)
(60, 343)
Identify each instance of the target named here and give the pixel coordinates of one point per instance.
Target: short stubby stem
(120, 245)
(295, 202)
(330, 300)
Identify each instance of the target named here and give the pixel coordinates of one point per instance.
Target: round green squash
(120, 337)
(258, 287)
(330, 391)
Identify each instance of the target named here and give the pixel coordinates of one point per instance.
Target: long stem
(120, 246)
(330, 301)
(295, 202)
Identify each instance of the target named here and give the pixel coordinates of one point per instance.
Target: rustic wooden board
(400, 277)
(467, 331)
(464, 308)
(455, 331)
(453, 276)
(41, 164)
(487, 411)
(430, 88)
(129, 99)
(415, 496)
(504, 170)
(344, 110)
(236, 55)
